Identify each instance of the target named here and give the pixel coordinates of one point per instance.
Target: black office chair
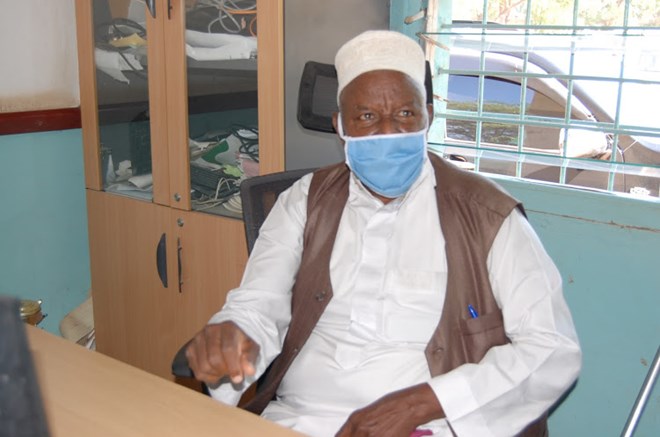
(258, 195)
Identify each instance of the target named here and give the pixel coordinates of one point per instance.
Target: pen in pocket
(473, 313)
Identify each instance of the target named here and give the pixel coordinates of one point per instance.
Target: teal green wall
(43, 221)
(607, 249)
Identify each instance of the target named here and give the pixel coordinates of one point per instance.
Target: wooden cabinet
(161, 264)
(143, 316)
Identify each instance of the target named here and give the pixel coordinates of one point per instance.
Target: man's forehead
(383, 75)
(383, 82)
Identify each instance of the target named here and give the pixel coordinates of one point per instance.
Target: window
(551, 90)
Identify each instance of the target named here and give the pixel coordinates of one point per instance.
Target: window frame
(438, 37)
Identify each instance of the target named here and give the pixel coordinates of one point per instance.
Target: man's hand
(221, 350)
(394, 415)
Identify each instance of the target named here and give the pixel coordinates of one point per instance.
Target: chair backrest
(258, 195)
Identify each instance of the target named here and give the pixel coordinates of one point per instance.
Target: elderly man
(393, 294)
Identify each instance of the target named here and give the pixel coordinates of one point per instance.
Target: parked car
(545, 140)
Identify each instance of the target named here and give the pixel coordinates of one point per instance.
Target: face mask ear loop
(340, 127)
(340, 132)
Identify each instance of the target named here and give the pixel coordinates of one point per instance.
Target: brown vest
(472, 210)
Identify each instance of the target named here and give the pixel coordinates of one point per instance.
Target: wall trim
(39, 121)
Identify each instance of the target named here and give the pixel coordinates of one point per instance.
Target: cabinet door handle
(161, 259)
(179, 249)
(169, 9)
(151, 5)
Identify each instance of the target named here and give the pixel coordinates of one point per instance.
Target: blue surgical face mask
(387, 164)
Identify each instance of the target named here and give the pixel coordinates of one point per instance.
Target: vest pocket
(478, 335)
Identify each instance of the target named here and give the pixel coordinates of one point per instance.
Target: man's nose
(388, 126)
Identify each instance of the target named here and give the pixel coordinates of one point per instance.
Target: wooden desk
(89, 394)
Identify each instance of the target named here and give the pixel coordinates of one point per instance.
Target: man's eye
(366, 116)
(406, 113)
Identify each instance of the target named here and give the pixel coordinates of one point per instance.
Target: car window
(501, 96)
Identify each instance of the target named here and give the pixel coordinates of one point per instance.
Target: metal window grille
(568, 102)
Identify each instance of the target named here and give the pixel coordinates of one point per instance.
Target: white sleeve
(261, 305)
(515, 383)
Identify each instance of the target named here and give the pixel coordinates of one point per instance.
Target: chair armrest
(180, 365)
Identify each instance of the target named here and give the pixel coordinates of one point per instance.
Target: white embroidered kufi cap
(380, 50)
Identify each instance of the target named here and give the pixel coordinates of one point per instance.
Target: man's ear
(335, 118)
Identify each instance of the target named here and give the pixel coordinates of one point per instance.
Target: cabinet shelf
(213, 86)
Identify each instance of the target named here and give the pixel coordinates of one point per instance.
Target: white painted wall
(39, 64)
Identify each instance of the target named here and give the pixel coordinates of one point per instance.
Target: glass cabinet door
(173, 84)
(120, 29)
(221, 75)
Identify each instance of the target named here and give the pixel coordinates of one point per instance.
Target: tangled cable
(233, 15)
